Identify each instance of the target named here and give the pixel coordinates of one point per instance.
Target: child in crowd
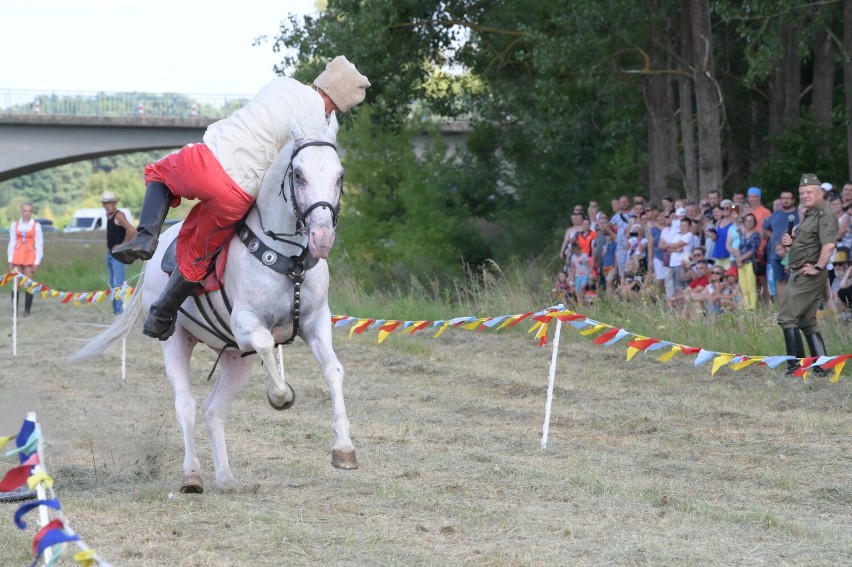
(563, 289)
(580, 268)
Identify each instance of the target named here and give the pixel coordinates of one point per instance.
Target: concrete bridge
(37, 135)
(29, 143)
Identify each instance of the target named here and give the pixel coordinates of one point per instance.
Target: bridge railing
(81, 103)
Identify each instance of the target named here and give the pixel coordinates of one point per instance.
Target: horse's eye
(298, 177)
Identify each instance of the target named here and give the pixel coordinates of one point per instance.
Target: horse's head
(316, 184)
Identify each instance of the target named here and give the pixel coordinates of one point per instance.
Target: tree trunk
(659, 102)
(662, 134)
(792, 75)
(687, 115)
(707, 103)
(823, 86)
(847, 78)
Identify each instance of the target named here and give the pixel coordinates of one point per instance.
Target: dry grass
(648, 463)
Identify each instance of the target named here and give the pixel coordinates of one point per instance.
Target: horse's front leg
(235, 373)
(317, 333)
(250, 334)
(176, 354)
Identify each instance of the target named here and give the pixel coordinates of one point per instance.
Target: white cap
(680, 212)
(827, 186)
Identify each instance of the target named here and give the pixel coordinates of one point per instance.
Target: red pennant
(363, 326)
(604, 338)
(689, 350)
(390, 327)
(643, 344)
(15, 477)
(519, 319)
(570, 317)
(419, 326)
(55, 524)
(836, 361)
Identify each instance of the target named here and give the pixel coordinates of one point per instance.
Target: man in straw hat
(225, 173)
(118, 231)
(809, 252)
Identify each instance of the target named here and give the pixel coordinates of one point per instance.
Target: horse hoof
(192, 484)
(344, 460)
(285, 405)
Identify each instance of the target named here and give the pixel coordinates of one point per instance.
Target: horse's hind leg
(235, 373)
(176, 354)
(318, 337)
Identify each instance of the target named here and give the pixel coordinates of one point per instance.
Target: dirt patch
(649, 463)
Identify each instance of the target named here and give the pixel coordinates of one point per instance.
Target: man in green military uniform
(810, 250)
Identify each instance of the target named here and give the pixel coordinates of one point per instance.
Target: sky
(184, 46)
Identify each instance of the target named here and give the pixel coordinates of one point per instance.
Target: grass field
(648, 463)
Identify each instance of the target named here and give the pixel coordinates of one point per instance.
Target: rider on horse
(225, 173)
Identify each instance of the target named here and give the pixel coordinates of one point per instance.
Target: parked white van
(92, 219)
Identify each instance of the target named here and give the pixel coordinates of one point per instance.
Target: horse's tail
(120, 328)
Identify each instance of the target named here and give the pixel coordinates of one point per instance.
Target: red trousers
(194, 173)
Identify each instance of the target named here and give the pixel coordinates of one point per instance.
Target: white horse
(274, 287)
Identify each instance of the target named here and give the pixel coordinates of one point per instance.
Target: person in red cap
(224, 173)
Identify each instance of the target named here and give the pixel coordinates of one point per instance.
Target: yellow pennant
(473, 325)
(535, 326)
(38, 477)
(720, 361)
(443, 328)
(666, 356)
(837, 370)
(542, 331)
(54, 293)
(631, 351)
(507, 321)
(4, 440)
(593, 330)
(355, 326)
(744, 363)
(86, 558)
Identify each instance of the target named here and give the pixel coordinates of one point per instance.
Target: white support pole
(43, 511)
(124, 359)
(551, 379)
(15, 316)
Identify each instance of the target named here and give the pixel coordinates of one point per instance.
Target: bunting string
(606, 335)
(49, 541)
(76, 298)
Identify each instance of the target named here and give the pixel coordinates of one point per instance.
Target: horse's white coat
(262, 302)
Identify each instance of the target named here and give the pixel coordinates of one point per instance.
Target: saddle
(214, 276)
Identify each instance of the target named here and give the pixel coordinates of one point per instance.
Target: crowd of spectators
(712, 256)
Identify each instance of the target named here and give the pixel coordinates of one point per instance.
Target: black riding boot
(28, 304)
(817, 348)
(793, 342)
(160, 322)
(155, 205)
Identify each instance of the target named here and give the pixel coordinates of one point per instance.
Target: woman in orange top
(26, 247)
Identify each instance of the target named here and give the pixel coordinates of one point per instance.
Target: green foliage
(798, 150)
(403, 215)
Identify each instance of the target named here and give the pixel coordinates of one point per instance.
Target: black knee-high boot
(155, 205)
(817, 348)
(160, 322)
(28, 304)
(793, 342)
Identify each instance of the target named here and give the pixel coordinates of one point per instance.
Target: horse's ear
(295, 130)
(331, 131)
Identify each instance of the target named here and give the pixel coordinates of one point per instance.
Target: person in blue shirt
(774, 228)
